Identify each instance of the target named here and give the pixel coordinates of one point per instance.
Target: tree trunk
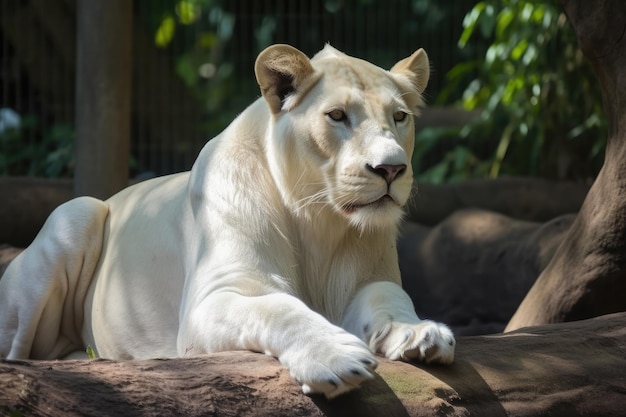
(587, 276)
(103, 90)
(568, 369)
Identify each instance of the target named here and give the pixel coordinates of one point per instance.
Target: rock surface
(28, 202)
(473, 269)
(531, 199)
(569, 369)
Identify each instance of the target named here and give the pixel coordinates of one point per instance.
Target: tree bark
(570, 369)
(587, 276)
(103, 90)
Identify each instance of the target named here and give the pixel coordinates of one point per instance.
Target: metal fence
(193, 67)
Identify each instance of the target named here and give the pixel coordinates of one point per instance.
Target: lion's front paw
(427, 341)
(332, 366)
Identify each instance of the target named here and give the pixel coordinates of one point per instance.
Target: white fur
(266, 245)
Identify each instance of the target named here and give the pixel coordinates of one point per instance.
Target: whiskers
(305, 200)
(320, 197)
(354, 198)
(413, 197)
(340, 199)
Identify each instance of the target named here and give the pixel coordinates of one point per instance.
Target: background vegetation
(540, 105)
(514, 62)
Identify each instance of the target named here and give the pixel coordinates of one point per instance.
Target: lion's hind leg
(42, 292)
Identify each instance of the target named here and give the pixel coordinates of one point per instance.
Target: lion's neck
(324, 256)
(333, 260)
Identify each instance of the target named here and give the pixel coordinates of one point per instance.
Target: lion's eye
(399, 116)
(337, 115)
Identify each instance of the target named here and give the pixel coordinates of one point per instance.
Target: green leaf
(165, 32)
(91, 353)
(530, 55)
(504, 22)
(503, 147)
(469, 23)
(519, 49)
(187, 12)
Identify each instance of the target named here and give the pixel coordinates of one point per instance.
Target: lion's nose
(388, 172)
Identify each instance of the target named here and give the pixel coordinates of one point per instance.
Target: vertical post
(103, 96)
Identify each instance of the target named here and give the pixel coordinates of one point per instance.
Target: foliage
(197, 32)
(541, 106)
(458, 162)
(214, 42)
(53, 156)
(211, 45)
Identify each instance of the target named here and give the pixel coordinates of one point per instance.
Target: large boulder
(26, 204)
(474, 268)
(522, 198)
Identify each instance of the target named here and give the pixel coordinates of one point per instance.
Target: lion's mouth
(381, 202)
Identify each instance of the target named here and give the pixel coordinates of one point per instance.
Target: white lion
(281, 239)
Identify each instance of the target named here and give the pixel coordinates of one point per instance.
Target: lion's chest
(328, 277)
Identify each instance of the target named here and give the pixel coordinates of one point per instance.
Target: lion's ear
(416, 67)
(282, 70)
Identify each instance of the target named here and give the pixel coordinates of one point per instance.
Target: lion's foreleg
(322, 357)
(382, 315)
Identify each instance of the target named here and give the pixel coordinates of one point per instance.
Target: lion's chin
(382, 204)
(381, 213)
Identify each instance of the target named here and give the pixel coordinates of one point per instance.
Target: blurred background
(510, 93)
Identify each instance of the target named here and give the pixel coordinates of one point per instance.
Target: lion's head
(343, 131)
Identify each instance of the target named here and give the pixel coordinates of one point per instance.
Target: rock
(7, 253)
(531, 199)
(565, 369)
(473, 269)
(570, 369)
(31, 202)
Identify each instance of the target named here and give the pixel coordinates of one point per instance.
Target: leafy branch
(541, 110)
